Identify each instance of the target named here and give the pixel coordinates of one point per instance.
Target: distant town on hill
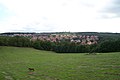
(64, 42)
(83, 37)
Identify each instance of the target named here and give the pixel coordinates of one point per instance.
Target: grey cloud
(111, 10)
(88, 4)
(37, 27)
(114, 8)
(29, 29)
(64, 4)
(44, 18)
(26, 29)
(50, 27)
(106, 16)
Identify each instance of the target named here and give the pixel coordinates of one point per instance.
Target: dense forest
(108, 42)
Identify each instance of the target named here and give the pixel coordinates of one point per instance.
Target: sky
(59, 16)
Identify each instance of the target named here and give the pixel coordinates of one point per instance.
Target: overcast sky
(59, 15)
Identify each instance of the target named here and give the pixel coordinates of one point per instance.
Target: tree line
(112, 45)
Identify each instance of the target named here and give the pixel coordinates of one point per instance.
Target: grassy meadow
(15, 61)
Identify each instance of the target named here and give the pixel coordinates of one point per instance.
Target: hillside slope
(15, 61)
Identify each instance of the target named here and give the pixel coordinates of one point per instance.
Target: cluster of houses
(79, 39)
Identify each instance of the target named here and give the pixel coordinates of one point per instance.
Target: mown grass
(14, 64)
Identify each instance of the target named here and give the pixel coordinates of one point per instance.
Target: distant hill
(101, 35)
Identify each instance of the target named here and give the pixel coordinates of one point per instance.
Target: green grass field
(14, 64)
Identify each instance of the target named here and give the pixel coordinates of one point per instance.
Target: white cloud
(56, 15)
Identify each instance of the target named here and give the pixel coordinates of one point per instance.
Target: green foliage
(67, 47)
(42, 45)
(4, 41)
(15, 41)
(109, 46)
(112, 45)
